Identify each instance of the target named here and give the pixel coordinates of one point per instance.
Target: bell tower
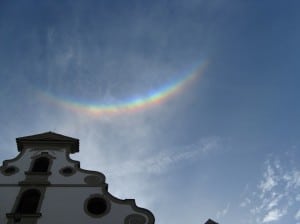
(44, 185)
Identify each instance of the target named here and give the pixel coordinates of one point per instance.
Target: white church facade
(43, 185)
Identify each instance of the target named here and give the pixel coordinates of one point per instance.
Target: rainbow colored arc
(134, 104)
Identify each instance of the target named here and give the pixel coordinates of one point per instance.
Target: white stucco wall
(64, 197)
(67, 203)
(7, 199)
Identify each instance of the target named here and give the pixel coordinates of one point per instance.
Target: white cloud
(273, 203)
(277, 192)
(246, 202)
(297, 215)
(160, 162)
(273, 215)
(270, 180)
(296, 178)
(224, 211)
(292, 179)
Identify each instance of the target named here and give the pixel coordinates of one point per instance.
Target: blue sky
(226, 147)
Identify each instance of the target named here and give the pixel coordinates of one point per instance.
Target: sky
(190, 107)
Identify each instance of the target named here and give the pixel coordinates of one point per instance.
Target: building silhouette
(209, 221)
(44, 185)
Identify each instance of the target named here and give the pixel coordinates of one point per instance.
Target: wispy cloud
(224, 211)
(165, 159)
(273, 215)
(292, 179)
(269, 181)
(246, 202)
(277, 192)
(297, 215)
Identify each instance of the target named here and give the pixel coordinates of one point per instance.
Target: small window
(67, 171)
(40, 165)
(96, 206)
(29, 202)
(10, 170)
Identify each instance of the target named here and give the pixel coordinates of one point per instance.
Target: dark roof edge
(48, 138)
